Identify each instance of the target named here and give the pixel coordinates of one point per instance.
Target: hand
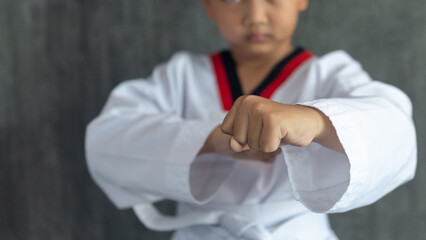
(219, 142)
(264, 125)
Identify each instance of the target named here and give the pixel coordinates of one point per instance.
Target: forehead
(254, 3)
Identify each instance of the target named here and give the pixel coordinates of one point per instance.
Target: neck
(259, 61)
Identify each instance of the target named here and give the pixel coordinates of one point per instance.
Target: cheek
(285, 25)
(230, 30)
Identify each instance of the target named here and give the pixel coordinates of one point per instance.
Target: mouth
(258, 37)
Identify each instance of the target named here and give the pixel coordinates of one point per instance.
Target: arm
(256, 123)
(347, 149)
(140, 149)
(373, 122)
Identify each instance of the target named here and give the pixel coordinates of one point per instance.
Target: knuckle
(258, 107)
(271, 119)
(248, 99)
(241, 99)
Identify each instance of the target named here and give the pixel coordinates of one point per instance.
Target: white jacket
(143, 148)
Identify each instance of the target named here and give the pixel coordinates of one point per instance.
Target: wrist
(325, 133)
(325, 129)
(320, 124)
(208, 144)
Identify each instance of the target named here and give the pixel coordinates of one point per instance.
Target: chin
(258, 49)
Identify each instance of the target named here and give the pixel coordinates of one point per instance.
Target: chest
(234, 82)
(250, 80)
(211, 93)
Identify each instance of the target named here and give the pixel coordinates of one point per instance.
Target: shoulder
(337, 64)
(179, 67)
(335, 56)
(189, 69)
(170, 75)
(337, 72)
(169, 72)
(184, 59)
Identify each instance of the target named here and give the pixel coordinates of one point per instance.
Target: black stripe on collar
(234, 81)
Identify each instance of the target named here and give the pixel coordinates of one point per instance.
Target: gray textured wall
(60, 59)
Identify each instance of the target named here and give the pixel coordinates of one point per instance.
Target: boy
(303, 136)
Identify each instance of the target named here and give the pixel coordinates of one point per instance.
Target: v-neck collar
(229, 83)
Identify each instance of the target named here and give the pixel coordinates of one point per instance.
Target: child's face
(256, 26)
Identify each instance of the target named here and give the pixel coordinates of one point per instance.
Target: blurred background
(59, 61)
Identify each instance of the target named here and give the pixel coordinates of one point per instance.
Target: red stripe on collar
(222, 81)
(224, 84)
(286, 72)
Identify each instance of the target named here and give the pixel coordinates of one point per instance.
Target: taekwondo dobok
(143, 147)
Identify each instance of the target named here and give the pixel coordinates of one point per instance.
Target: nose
(255, 13)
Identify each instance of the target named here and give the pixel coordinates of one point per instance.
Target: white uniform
(143, 148)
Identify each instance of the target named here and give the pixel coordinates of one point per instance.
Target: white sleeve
(140, 149)
(373, 121)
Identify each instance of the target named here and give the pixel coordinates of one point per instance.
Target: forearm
(323, 133)
(208, 144)
(206, 147)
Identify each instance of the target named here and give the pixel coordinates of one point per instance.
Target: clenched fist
(259, 124)
(256, 127)
(219, 143)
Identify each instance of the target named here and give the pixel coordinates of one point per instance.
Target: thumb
(236, 146)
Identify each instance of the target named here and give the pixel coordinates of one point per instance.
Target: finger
(247, 154)
(254, 131)
(236, 146)
(269, 138)
(228, 123)
(241, 124)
